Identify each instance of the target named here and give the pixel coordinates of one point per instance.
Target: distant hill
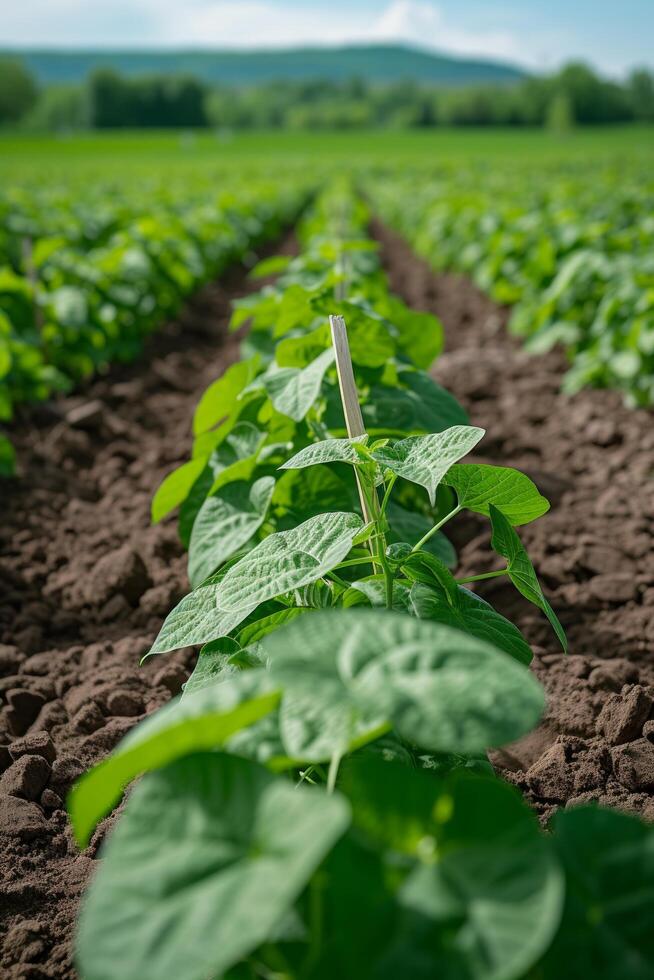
(376, 63)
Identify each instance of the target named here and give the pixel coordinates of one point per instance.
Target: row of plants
(83, 281)
(319, 802)
(570, 249)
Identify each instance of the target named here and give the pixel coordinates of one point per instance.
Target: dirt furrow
(594, 459)
(86, 582)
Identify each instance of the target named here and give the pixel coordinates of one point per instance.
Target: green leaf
(373, 589)
(301, 351)
(176, 488)
(294, 390)
(281, 562)
(443, 689)
(220, 398)
(200, 721)
(506, 542)
(272, 266)
(472, 615)
(327, 451)
(301, 494)
(422, 406)
(226, 522)
(209, 857)
(484, 895)
(216, 662)
(420, 334)
(478, 485)
(255, 632)
(607, 929)
(426, 459)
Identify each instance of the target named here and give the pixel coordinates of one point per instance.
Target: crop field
(327, 553)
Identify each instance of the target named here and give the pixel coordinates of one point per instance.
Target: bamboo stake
(349, 395)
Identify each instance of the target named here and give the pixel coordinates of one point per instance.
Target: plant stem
(391, 484)
(354, 561)
(334, 764)
(479, 578)
(432, 531)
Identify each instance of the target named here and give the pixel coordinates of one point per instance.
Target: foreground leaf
(204, 720)
(426, 459)
(441, 688)
(477, 485)
(506, 542)
(485, 894)
(210, 855)
(225, 522)
(281, 562)
(607, 930)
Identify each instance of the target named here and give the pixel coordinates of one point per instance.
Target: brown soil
(86, 581)
(594, 551)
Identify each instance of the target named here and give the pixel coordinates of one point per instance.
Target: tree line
(576, 95)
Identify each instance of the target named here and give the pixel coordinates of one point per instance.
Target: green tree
(18, 91)
(640, 87)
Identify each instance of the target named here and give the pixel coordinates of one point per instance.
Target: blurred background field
(24, 155)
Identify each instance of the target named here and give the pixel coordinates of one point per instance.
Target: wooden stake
(349, 395)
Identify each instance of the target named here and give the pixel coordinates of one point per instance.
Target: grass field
(24, 157)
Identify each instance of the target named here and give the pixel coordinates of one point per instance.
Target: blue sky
(536, 33)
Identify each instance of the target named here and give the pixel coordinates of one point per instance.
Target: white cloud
(421, 22)
(256, 23)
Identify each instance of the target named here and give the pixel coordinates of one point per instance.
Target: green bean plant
(319, 801)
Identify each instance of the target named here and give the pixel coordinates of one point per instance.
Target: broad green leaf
(226, 522)
(607, 929)
(370, 342)
(281, 562)
(294, 310)
(472, 615)
(272, 266)
(484, 896)
(300, 351)
(208, 858)
(234, 459)
(203, 720)
(506, 542)
(317, 489)
(327, 451)
(255, 632)
(219, 399)
(294, 390)
(421, 407)
(478, 485)
(421, 566)
(426, 459)
(420, 334)
(176, 488)
(373, 589)
(441, 688)
(215, 663)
